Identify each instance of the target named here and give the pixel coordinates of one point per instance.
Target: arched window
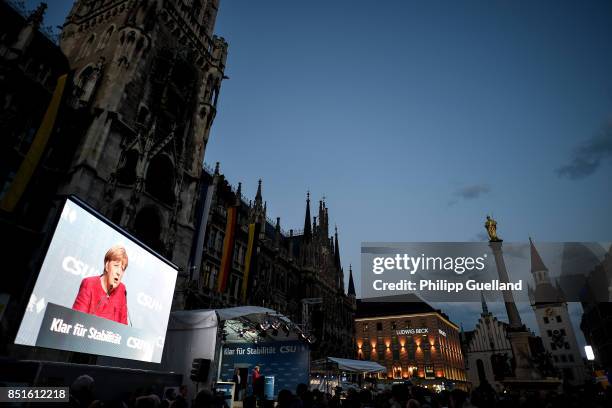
(482, 377)
(143, 114)
(106, 37)
(86, 84)
(208, 91)
(149, 21)
(160, 179)
(215, 95)
(86, 48)
(127, 172)
(147, 228)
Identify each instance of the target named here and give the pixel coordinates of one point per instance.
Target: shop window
(380, 348)
(429, 371)
(397, 373)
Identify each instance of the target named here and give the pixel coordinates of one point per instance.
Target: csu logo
(148, 302)
(288, 349)
(77, 267)
(139, 344)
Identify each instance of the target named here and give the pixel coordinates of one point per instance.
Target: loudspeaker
(199, 369)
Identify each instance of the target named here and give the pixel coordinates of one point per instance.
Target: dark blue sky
(417, 118)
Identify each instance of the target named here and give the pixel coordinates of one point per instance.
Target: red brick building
(413, 340)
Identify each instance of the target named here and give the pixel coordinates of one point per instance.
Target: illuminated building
(413, 340)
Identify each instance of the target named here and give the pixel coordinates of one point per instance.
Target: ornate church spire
(307, 226)
(351, 284)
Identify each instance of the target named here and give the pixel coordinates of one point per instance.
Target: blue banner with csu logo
(287, 362)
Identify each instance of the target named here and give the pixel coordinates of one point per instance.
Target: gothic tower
(147, 75)
(553, 319)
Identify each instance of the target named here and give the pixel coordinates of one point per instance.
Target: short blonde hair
(117, 253)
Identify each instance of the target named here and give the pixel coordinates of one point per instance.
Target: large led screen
(99, 291)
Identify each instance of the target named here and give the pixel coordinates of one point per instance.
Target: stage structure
(232, 342)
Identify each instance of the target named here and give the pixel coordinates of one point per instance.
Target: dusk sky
(415, 119)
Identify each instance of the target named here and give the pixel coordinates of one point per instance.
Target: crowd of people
(82, 394)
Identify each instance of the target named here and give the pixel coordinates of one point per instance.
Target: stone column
(513, 315)
(517, 333)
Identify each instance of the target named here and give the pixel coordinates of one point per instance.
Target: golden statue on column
(491, 227)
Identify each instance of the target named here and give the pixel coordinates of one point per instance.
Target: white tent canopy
(194, 333)
(359, 366)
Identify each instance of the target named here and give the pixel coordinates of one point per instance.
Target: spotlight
(265, 325)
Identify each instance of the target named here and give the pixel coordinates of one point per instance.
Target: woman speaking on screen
(105, 296)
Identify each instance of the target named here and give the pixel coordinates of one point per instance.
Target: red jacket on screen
(92, 299)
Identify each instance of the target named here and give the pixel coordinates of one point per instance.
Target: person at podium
(105, 296)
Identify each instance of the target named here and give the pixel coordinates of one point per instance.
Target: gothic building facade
(119, 114)
(148, 74)
(487, 350)
(247, 259)
(552, 316)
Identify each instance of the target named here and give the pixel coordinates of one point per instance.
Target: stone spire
(544, 291)
(351, 284)
(307, 225)
(485, 308)
(258, 195)
(537, 264)
(337, 251)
